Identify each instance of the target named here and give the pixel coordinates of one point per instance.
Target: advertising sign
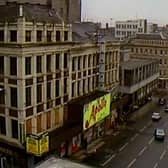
(96, 111)
(37, 145)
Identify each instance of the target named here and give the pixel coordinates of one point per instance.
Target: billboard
(96, 111)
(37, 145)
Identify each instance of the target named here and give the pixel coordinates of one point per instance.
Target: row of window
(149, 51)
(39, 36)
(127, 26)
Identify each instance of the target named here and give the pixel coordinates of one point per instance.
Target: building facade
(129, 28)
(152, 46)
(42, 71)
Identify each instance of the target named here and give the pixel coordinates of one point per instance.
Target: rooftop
(135, 63)
(35, 12)
(150, 36)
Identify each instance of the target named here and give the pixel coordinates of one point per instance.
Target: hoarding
(37, 145)
(96, 111)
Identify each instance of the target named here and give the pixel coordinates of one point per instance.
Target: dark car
(162, 101)
(159, 134)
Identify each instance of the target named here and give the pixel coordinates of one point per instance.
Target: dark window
(28, 36)
(84, 62)
(1, 65)
(57, 61)
(49, 36)
(13, 36)
(28, 65)
(65, 60)
(78, 89)
(73, 89)
(58, 36)
(39, 93)
(2, 125)
(14, 128)
(13, 97)
(39, 64)
(13, 66)
(79, 62)
(49, 90)
(28, 96)
(73, 64)
(39, 35)
(48, 63)
(65, 85)
(2, 96)
(57, 88)
(65, 35)
(1, 35)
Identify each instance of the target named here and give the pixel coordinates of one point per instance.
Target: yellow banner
(32, 145)
(96, 111)
(37, 145)
(43, 145)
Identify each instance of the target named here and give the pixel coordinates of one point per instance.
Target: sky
(155, 11)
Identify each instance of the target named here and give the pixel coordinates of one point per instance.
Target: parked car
(159, 134)
(162, 101)
(166, 108)
(156, 116)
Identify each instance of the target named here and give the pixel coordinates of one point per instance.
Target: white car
(156, 116)
(159, 134)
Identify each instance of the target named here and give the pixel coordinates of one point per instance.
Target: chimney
(107, 26)
(20, 10)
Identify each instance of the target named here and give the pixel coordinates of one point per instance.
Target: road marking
(108, 160)
(141, 130)
(162, 155)
(151, 141)
(131, 163)
(142, 151)
(133, 138)
(122, 148)
(156, 165)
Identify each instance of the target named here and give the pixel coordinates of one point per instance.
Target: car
(162, 101)
(156, 116)
(159, 134)
(166, 108)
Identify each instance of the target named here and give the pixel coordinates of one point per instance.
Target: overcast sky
(111, 10)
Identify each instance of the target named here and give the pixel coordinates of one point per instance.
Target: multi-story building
(129, 28)
(43, 77)
(69, 10)
(138, 78)
(152, 46)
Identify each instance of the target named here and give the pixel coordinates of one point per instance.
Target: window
(65, 60)
(13, 97)
(14, 125)
(28, 65)
(2, 96)
(49, 120)
(39, 35)
(28, 36)
(13, 66)
(73, 64)
(49, 90)
(49, 36)
(73, 89)
(57, 61)
(79, 63)
(39, 128)
(57, 88)
(65, 85)
(39, 64)
(2, 125)
(13, 36)
(48, 63)
(58, 36)
(28, 96)
(1, 35)
(1, 65)
(65, 35)
(39, 93)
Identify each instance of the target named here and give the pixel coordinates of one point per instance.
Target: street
(135, 146)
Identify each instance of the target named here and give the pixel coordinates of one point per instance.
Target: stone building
(42, 72)
(152, 46)
(69, 10)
